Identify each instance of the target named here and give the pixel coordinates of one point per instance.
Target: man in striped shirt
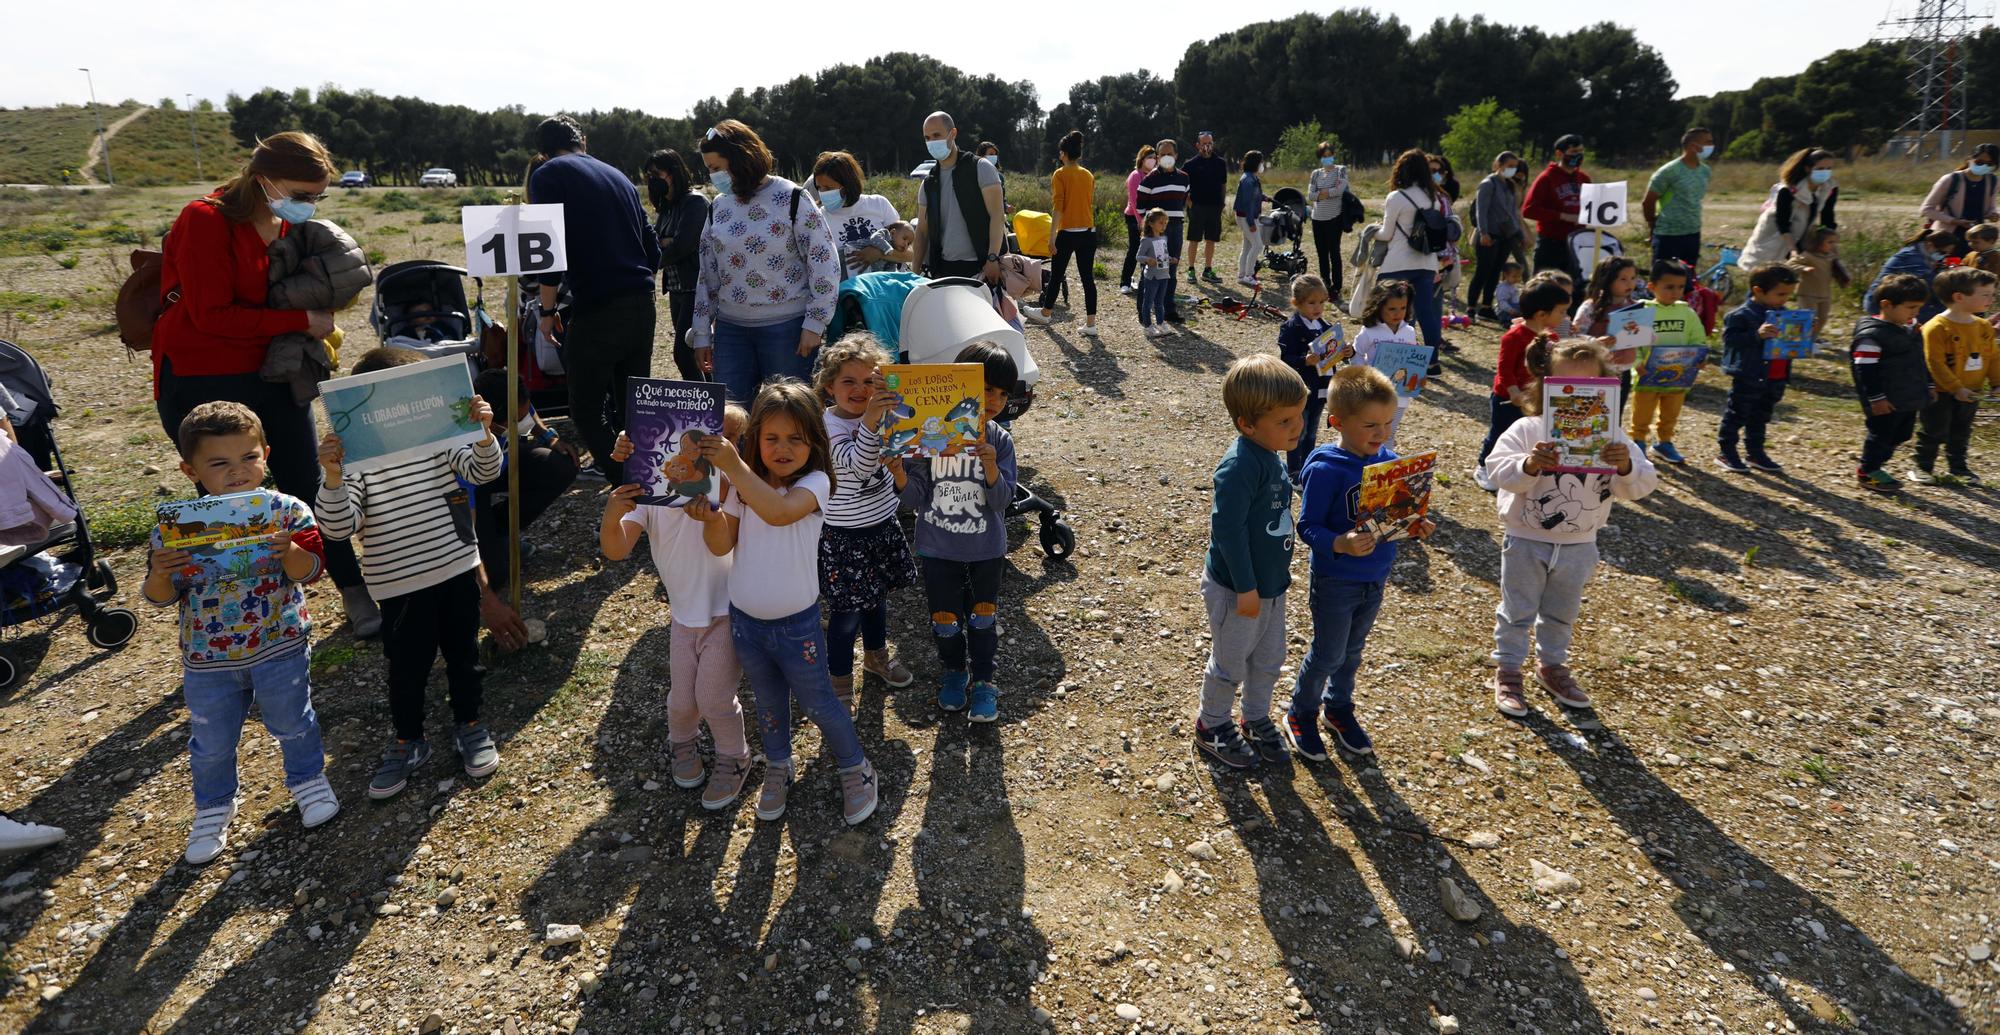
(420, 559)
(1167, 188)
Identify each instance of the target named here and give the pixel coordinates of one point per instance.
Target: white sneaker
(210, 834)
(1125, 289)
(1088, 330)
(1152, 331)
(1480, 479)
(316, 801)
(1247, 281)
(16, 836)
(1040, 316)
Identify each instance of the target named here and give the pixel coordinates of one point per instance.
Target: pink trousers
(703, 677)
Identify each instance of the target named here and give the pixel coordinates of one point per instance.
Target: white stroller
(1592, 246)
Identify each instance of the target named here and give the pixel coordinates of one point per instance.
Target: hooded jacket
(1888, 362)
(1554, 200)
(315, 266)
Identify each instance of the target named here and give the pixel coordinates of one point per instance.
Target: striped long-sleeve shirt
(413, 519)
(863, 493)
(1164, 189)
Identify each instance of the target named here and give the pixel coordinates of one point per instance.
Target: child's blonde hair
(1546, 352)
(1146, 224)
(788, 397)
(853, 347)
(1258, 384)
(1983, 232)
(734, 414)
(1307, 285)
(1354, 387)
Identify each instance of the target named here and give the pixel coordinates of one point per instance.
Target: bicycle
(1721, 277)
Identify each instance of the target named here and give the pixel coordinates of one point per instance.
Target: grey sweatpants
(1541, 585)
(1246, 652)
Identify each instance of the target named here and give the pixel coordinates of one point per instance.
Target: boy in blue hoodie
(1756, 384)
(1349, 568)
(1249, 564)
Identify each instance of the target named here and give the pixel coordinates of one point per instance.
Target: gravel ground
(1781, 815)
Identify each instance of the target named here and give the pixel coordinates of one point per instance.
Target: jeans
(841, 628)
(1132, 236)
(1083, 245)
(1501, 416)
(785, 659)
(1685, 247)
(1326, 241)
(288, 430)
(1486, 262)
(1245, 652)
(964, 598)
(1153, 294)
(416, 627)
(1295, 460)
(746, 357)
(218, 703)
(1947, 423)
(608, 341)
(1253, 247)
(545, 475)
(680, 310)
(1424, 310)
(1885, 433)
(1748, 411)
(1174, 229)
(1541, 586)
(1343, 611)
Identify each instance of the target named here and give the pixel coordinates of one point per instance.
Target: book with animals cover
(1795, 334)
(939, 408)
(399, 414)
(1395, 495)
(1670, 368)
(228, 538)
(1580, 415)
(666, 421)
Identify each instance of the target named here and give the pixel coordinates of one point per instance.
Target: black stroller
(63, 570)
(420, 304)
(1286, 223)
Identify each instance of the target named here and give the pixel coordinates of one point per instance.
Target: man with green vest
(961, 219)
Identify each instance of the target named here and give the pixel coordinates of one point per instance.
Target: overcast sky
(662, 57)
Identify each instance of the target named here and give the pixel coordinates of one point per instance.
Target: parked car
(922, 170)
(355, 178)
(439, 177)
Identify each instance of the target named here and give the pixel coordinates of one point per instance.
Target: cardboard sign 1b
(1602, 204)
(510, 240)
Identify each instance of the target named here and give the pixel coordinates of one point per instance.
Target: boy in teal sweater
(1249, 563)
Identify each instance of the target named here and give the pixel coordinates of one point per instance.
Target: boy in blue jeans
(243, 639)
(1756, 384)
(1349, 567)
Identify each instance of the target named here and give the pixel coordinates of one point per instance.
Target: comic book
(1395, 495)
(940, 407)
(228, 538)
(1669, 368)
(1580, 414)
(1795, 334)
(666, 421)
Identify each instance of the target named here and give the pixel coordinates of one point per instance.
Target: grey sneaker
(725, 783)
(399, 759)
(857, 793)
(476, 750)
(686, 755)
(777, 785)
(1264, 737)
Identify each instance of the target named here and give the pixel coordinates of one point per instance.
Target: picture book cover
(1326, 348)
(1670, 368)
(1395, 495)
(228, 537)
(666, 421)
(1581, 415)
(1404, 366)
(1795, 334)
(939, 408)
(392, 416)
(1631, 330)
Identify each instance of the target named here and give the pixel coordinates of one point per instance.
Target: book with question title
(666, 421)
(1395, 495)
(939, 408)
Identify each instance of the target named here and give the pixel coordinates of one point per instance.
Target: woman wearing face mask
(1802, 199)
(1416, 188)
(210, 340)
(679, 214)
(1965, 196)
(1144, 163)
(1496, 213)
(1327, 189)
(1166, 188)
(855, 217)
(1920, 257)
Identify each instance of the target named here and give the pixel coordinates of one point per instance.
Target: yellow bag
(1031, 232)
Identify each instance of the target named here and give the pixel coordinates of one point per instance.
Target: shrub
(397, 201)
(1298, 146)
(1477, 132)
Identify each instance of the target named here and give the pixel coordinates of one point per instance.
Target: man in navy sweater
(612, 256)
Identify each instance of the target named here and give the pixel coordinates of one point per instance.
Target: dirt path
(97, 142)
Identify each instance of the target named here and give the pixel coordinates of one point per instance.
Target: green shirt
(1681, 190)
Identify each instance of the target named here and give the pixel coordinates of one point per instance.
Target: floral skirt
(860, 567)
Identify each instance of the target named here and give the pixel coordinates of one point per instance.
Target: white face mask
(1150, 163)
(1166, 161)
(1508, 171)
(526, 426)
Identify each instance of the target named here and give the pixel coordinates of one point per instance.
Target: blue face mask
(1821, 175)
(291, 210)
(1706, 150)
(1931, 256)
(720, 178)
(831, 199)
(1326, 160)
(1437, 178)
(1977, 169)
(938, 148)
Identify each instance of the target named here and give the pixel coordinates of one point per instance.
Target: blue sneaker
(1347, 729)
(985, 702)
(1664, 450)
(951, 692)
(399, 760)
(1304, 737)
(1225, 744)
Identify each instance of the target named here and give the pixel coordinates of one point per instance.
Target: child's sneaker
(210, 834)
(1481, 479)
(1922, 477)
(475, 749)
(1664, 450)
(399, 760)
(777, 785)
(725, 783)
(19, 836)
(1562, 686)
(1347, 730)
(857, 793)
(686, 756)
(1507, 696)
(1224, 744)
(316, 801)
(985, 703)
(887, 668)
(951, 691)
(1731, 462)
(1639, 445)
(1965, 476)
(1878, 480)
(1088, 330)
(1265, 739)
(1151, 331)
(1762, 460)
(1304, 737)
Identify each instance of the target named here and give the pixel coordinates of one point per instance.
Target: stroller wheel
(8, 673)
(112, 628)
(102, 577)
(1058, 539)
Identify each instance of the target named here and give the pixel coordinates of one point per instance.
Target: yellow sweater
(1960, 355)
(1071, 189)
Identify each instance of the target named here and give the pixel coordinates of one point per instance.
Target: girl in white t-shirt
(1387, 319)
(702, 673)
(774, 516)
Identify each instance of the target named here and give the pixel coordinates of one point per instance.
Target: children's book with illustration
(1631, 329)
(1326, 348)
(1669, 368)
(399, 414)
(1404, 365)
(1580, 414)
(1795, 334)
(228, 538)
(1395, 495)
(666, 421)
(939, 408)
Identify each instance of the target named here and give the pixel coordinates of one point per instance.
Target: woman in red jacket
(211, 337)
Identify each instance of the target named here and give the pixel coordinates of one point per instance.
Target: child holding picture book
(1385, 320)
(1544, 307)
(1297, 339)
(1756, 384)
(1550, 522)
(243, 639)
(1675, 326)
(1612, 285)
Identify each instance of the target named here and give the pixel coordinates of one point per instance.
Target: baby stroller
(1591, 247)
(63, 570)
(1285, 223)
(420, 304)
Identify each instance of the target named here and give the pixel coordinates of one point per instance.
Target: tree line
(1365, 77)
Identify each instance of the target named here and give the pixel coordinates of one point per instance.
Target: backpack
(139, 300)
(1431, 231)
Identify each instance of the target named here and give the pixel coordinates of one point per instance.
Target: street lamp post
(103, 142)
(194, 140)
